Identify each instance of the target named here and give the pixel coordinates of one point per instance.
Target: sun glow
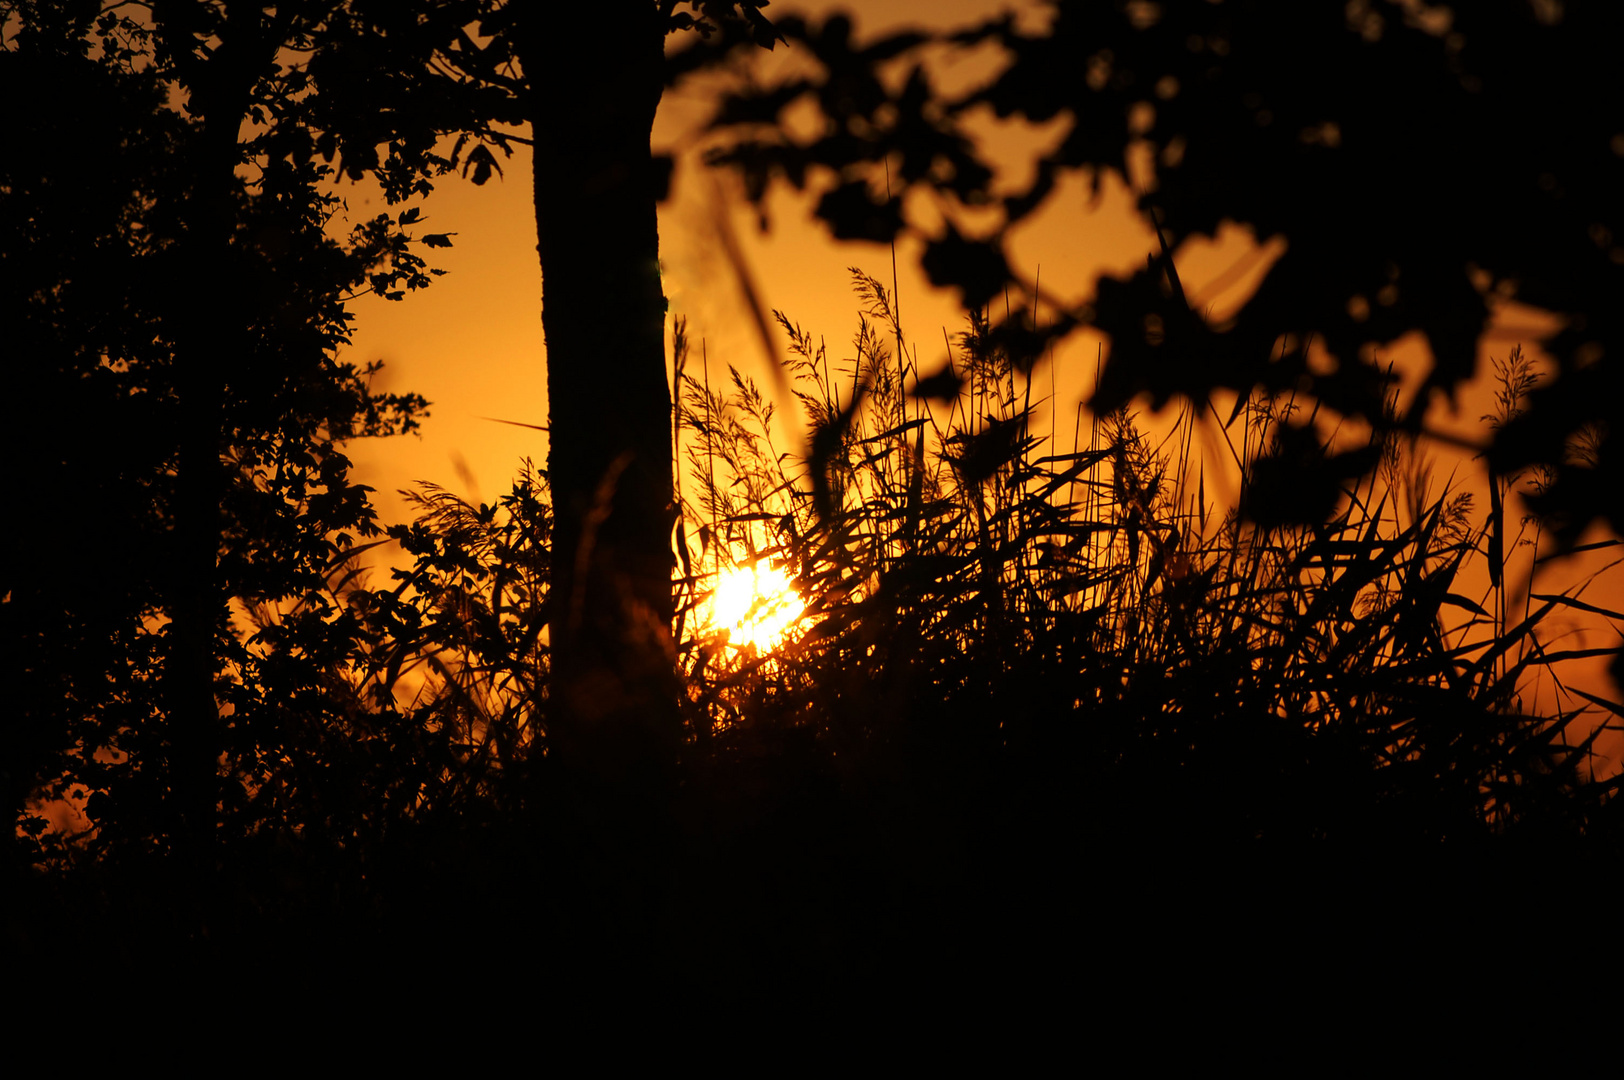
(757, 605)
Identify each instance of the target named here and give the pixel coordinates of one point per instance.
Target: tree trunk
(595, 76)
(204, 333)
(209, 334)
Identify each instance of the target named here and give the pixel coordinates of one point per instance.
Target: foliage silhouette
(587, 79)
(1022, 654)
(1081, 609)
(1423, 163)
(138, 255)
(1014, 651)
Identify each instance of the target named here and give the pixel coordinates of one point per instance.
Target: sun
(757, 605)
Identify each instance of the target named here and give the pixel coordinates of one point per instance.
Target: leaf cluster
(1281, 117)
(119, 240)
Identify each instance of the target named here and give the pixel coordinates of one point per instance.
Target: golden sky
(473, 342)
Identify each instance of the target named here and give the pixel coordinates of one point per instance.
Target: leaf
(1457, 600)
(1568, 601)
(853, 215)
(482, 161)
(1497, 542)
(762, 31)
(1605, 703)
(945, 385)
(1298, 482)
(438, 240)
(976, 268)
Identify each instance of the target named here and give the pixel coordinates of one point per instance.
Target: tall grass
(1021, 654)
(1081, 621)
(1002, 625)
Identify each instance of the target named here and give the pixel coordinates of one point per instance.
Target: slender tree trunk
(209, 335)
(595, 74)
(201, 339)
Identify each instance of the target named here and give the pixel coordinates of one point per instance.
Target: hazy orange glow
(756, 606)
(473, 343)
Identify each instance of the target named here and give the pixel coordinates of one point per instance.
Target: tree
(179, 307)
(383, 83)
(587, 78)
(1421, 162)
(994, 666)
(603, 310)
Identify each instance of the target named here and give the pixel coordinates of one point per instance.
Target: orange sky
(472, 343)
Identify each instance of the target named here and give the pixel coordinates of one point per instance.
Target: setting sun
(756, 605)
(871, 464)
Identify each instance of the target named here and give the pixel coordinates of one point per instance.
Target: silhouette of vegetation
(1082, 606)
(1422, 162)
(975, 592)
(395, 81)
(176, 306)
(1028, 656)
(1017, 642)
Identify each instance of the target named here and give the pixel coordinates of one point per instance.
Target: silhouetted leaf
(482, 162)
(945, 385)
(853, 215)
(1298, 482)
(975, 267)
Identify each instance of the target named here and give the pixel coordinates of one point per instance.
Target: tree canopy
(162, 287)
(214, 133)
(1421, 162)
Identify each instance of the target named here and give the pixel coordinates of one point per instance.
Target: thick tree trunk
(595, 74)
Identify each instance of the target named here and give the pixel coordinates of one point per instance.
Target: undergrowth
(1001, 628)
(999, 625)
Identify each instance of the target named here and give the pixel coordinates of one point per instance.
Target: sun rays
(756, 605)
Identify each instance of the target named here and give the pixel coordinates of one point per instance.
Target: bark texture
(595, 75)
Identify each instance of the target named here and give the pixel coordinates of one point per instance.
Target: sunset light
(870, 464)
(756, 605)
